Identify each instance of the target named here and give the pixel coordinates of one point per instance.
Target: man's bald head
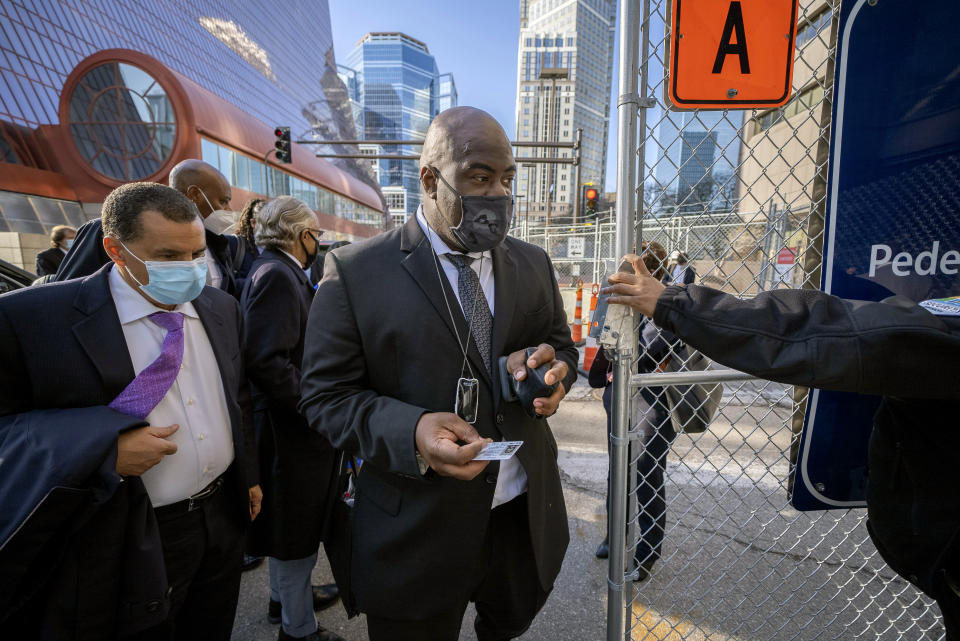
(454, 130)
(468, 149)
(202, 183)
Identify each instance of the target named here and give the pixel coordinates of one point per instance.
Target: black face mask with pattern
(485, 219)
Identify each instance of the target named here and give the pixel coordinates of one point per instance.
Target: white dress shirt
(196, 400)
(512, 480)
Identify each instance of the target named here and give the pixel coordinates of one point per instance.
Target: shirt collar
(132, 306)
(290, 256)
(439, 246)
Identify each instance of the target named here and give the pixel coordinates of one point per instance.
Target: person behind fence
(896, 349)
(61, 240)
(652, 420)
(296, 462)
(126, 393)
(406, 329)
(680, 270)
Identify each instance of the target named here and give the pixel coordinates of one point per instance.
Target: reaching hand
(639, 291)
(437, 439)
(140, 449)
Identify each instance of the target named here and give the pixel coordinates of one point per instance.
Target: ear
(428, 180)
(112, 248)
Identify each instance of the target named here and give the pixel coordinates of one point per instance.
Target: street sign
(731, 53)
(893, 206)
(785, 260)
(575, 247)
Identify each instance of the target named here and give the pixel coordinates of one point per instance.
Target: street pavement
(739, 564)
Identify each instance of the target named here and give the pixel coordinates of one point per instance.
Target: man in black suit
(61, 239)
(209, 190)
(297, 464)
(144, 337)
(388, 341)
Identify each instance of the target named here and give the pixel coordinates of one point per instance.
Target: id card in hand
(498, 451)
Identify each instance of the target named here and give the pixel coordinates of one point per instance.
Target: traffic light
(590, 195)
(284, 150)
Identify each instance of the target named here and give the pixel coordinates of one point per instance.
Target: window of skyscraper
(122, 121)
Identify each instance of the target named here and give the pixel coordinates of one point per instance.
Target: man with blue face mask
(411, 379)
(157, 353)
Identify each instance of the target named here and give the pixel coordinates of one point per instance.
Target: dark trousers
(657, 436)
(203, 554)
(651, 490)
(507, 596)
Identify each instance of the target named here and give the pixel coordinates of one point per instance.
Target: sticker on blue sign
(942, 306)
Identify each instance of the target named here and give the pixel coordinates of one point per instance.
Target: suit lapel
(505, 295)
(101, 335)
(421, 263)
(213, 323)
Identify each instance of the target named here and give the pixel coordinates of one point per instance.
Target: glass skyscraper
(399, 90)
(697, 162)
(94, 93)
(564, 76)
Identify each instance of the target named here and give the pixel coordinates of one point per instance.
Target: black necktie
(479, 317)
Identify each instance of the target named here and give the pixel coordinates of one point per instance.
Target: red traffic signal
(284, 152)
(590, 195)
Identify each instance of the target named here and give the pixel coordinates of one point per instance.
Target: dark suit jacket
(62, 346)
(60, 499)
(49, 260)
(87, 255)
(380, 352)
(297, 463)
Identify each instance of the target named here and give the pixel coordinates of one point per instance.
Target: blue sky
(476, 41)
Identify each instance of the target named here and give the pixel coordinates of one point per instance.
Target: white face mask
(219, 220)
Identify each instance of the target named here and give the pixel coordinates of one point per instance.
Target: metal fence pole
(627, 104)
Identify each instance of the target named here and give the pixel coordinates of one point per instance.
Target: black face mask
(311, 258)
(485, 219)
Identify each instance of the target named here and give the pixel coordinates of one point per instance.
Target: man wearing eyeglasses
(296, 462)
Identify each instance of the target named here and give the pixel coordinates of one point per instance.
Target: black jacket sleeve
(807, 337)
(336, 398)
(87, 254)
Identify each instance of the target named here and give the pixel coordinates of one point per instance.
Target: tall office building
(696, 164)
(564, 76)
(399, 92)
(94, 94)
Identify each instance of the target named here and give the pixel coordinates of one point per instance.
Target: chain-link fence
(708, 545)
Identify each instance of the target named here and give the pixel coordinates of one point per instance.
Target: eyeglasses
(316, 233)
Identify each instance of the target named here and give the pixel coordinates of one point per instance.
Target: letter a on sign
(731, 54)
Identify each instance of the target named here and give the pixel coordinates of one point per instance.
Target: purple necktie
(150, 386)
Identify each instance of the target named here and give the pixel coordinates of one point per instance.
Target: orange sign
(731, 54)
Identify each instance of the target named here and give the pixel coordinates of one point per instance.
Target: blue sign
(893, 211)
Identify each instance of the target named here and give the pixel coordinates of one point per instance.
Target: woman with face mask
(296, 463)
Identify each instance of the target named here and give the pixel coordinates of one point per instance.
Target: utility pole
(576, 164)
(552, 74)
